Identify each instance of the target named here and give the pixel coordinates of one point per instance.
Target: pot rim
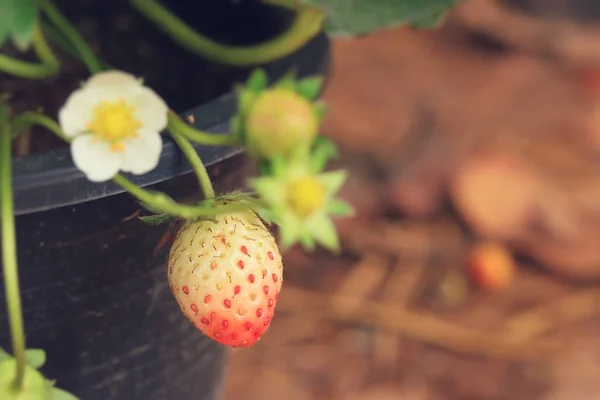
(48, 180)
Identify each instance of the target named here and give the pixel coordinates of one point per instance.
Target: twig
(419, 326)
(539, 320)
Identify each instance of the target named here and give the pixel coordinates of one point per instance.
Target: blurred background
(470, 270)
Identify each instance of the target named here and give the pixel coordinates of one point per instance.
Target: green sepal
(320, 109)
(36, 358)
(156, 219)
(287, 81)
(323, 151)
(309, 88)
(339, 208)
(258, 80)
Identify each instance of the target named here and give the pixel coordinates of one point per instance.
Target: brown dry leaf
(496, 194)
(401, 287)
(362, 281)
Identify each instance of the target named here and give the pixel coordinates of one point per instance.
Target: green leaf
(6, 17)
(309, 88)
(35, 357)
(359, 17)
(155, 219)
(59, 394)
(23, 23)
(17, 21)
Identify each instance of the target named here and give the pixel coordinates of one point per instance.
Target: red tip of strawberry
(226, 276)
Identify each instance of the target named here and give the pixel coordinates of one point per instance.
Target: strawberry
(278, 121)
(226, 275)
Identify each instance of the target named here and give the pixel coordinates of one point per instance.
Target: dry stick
(366, 276)
(542, 319)
(414, 241)
(419, 326)
(403, 286)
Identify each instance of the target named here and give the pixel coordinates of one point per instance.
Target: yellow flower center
(306, 195)
(113, 122)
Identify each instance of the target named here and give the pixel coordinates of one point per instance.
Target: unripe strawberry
(226, 276)
(278, 121)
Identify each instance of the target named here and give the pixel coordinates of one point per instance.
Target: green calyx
(35, 386)
(300, 197)
(272, 121)
(235, 201)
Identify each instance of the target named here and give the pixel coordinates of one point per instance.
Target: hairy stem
(9, 255)
(306, 25)
(197, 136)
(194, 159)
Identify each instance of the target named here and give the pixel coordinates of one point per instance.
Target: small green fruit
(278, 121)
(34, 384)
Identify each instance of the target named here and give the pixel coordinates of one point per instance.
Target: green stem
(69, 31)
(9, 255)
(194, 159)
(306, 25)
(161, 203)
(48, 67)
(155, 201)
(198, 136)
(28, 118)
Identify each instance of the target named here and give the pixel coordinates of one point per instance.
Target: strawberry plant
(225, 267)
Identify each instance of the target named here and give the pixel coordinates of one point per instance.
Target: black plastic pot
(95, 297)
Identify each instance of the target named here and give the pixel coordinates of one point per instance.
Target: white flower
(115, 123)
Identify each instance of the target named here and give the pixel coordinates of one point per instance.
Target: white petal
(76, 112)
(113, 85)
(142, 153)
(150, 110)
(112, 78)
(95, 159)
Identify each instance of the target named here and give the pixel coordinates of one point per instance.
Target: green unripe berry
(278, 121)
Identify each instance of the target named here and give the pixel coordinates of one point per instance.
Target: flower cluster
(114, 122)
(279, 126)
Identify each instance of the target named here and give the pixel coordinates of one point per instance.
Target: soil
(127, 41)
(452, 139)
